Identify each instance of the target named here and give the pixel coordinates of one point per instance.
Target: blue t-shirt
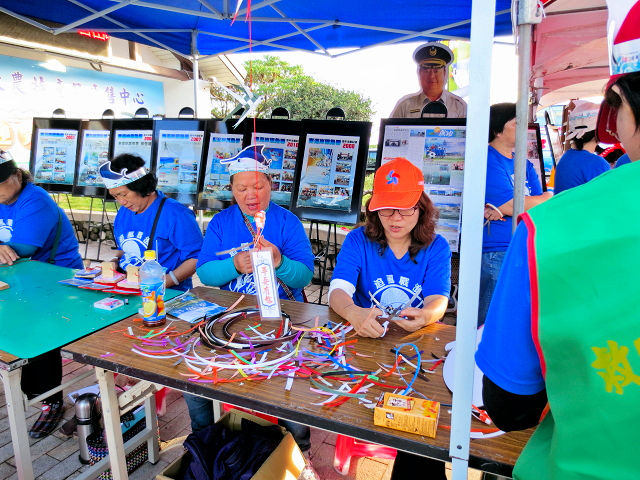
(177, 239)
(227, 230)
(33, 220)
(392, 281)
(497, 234)
(507, 354)
(577, 167)
(623, 160)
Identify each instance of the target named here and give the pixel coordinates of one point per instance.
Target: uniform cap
(434, 53)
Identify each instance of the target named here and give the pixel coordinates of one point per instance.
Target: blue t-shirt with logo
(227, 230)
(577, 167)
(33, 220)
(392, 281)
(507, 353)
(499, 190)
(177, 239)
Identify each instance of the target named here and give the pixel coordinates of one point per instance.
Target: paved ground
(56, 457)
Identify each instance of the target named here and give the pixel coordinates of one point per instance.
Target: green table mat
(38, 314)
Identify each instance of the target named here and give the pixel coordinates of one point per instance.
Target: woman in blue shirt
(177, 238)
(32, 225)
(499, 198)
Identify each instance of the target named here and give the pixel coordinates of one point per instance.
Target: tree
(284, 85)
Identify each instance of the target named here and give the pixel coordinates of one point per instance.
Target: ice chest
(284, 463)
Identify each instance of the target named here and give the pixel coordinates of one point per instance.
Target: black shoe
(48, 420)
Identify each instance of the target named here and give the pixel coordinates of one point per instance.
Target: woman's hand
(242, 262)
(7, 255)
(492, 213)
(363, 321)
(275, 251)
(435, 306)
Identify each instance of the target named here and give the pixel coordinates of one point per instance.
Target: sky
(387, 73)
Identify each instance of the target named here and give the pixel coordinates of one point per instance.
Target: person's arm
(514, 389)
(10, 252)
(510, 411)
(293, 273)
(433, 310)
(530, 201)
(363, 320)
(183, 271)
(216, 273)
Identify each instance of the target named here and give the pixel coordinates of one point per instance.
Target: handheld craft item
(3, 285)
(266, 285)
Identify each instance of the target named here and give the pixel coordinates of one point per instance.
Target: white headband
(113, 179)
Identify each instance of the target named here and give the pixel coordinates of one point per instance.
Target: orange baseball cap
(397, 184)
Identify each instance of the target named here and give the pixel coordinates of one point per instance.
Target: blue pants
(489, 272)
(201, 414)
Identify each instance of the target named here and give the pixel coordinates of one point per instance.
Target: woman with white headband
(32, 225)
(151, 221)
(580, 164)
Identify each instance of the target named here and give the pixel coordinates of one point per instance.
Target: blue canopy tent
(193, 28)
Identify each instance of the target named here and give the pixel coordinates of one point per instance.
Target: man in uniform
(433, 59)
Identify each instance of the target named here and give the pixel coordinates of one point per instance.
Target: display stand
(103, 227)
(324, 251)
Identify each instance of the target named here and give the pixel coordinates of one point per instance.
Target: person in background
(433, 59)
(580, 164)
(561, 338)
(151, 221)
(498, 210)
(612, 154)
(399, 260)
(32, 225)
(283, 235)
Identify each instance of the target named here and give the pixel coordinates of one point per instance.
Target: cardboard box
(408, 414)
(284, 463)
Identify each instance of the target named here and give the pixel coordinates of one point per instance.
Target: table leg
(151, 419)
(113, 430)
(17, 423)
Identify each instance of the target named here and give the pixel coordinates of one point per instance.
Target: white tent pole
(529, 13)
(196, 72)
(475, 170)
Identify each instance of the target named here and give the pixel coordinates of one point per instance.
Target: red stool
(226, 407)
(347, 447)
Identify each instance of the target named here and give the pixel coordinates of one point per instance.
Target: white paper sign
(266, 284)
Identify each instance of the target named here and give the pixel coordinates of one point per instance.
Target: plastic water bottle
(152, 289)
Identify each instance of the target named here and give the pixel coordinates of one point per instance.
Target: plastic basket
(98, 449)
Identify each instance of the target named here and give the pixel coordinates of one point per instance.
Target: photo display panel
(280, 139)
(95, 136)
(330, 170)
(134, 136)
(54, 148)
(437, 147)
(222, 141)
(534, 153)
(178, 145)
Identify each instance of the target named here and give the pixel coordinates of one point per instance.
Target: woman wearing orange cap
(395, 263)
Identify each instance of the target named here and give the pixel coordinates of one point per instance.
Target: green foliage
(284, 85)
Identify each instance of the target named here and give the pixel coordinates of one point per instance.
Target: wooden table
(495, 455)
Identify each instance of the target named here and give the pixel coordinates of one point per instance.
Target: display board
(54, 146)
(437, 147)
(534, 152)
(177, 151)
(133, 136)
(221, 141)
(93, 151)
(330, 168)
(280, 139)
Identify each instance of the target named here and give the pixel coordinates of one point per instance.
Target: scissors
(390, 313)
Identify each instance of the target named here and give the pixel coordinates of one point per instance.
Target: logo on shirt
(133, 245)
(244, 284)
(6, 230)
(396, 294)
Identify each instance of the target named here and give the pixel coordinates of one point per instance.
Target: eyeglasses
(431, 68)
(404, 212)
